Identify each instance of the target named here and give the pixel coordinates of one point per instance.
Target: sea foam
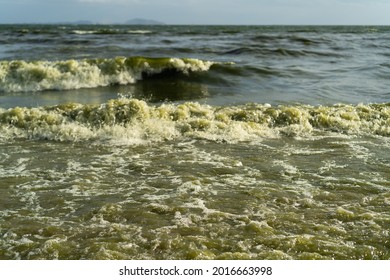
(135, 121)
(33, 76)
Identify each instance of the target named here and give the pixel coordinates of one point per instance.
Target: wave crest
(135, 121)
(23, 76)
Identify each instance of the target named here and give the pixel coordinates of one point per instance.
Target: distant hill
(82, 22)
(140, 21)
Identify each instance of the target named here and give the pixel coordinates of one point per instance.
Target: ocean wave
(109, 31)
(24, 76)
(83, 32)
(140, 31)
(136, 122)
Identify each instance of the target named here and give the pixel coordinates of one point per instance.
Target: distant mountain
(83, 22)
(140, 21)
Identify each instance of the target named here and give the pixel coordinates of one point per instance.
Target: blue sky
(365, 12)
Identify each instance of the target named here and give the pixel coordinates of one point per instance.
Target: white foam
(139, 31)
(23, 76)
(83, 32)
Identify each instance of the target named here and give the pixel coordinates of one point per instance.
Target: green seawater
(318, 198)
(194, 142)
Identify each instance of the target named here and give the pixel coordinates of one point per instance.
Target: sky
(285, 12)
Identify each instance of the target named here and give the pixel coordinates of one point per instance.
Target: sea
(123, 142)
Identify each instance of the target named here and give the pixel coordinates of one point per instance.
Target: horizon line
(191, 24)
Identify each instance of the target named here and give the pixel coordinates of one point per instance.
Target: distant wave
(134, 121)
(139, 31)
(83, 32)
(24, 76)
(110, 31)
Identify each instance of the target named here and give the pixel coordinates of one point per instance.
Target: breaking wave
(134, 121)
(24, 76)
